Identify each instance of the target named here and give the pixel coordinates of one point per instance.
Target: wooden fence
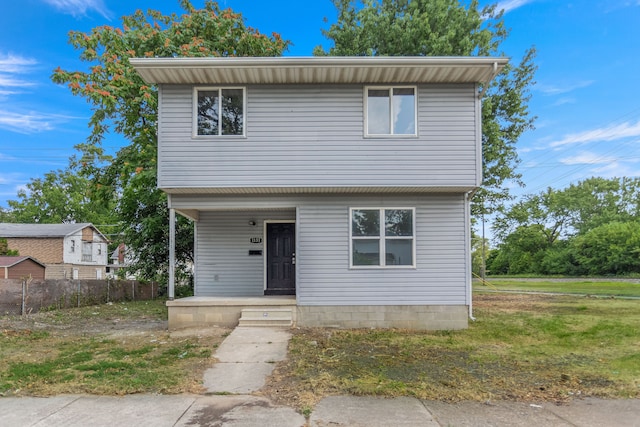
(24, 296)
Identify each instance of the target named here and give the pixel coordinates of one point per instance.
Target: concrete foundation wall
(203, 311)
(188, 317)
(417, 317)
(225, 312)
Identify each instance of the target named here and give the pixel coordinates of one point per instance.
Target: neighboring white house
(69, 251)
(120, 260)
(343, 182)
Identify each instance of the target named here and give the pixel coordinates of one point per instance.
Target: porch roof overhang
(192, 208)
(319, 190)
(319, 70)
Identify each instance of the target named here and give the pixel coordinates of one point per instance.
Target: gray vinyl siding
(324, 276)
(312, 136)
(224, 266)
(323, 256)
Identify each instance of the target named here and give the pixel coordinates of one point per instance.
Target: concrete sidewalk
(336, 411)
(247, 356)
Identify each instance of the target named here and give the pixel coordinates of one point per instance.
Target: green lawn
(112, 349)
(521, 347)
(577, 286)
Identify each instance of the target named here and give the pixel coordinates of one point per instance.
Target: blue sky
(587, 96)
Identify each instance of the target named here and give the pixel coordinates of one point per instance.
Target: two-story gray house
(327, 191)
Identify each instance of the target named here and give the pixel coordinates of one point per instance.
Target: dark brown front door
(281, 268)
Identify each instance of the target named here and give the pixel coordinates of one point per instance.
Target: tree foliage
(575, 209)
(4, 249)
(612, 248)
(448, 28)
(479, 251)
(61, 196)
(122, 102)
(589, 228)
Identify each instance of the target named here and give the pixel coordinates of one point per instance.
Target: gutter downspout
(467, 208)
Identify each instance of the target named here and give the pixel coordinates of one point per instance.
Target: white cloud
(15, 64)
(10, 66)
(79, 8)
(12, 192)
(563, 101)
(609, 133)
(28, 123)
(615, 169)
(5, 158)
(509, 5)
(557, 90)
(7, 81)
(10, 178)
(588, 158)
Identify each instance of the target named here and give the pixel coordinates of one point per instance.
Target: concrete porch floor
(221, 311)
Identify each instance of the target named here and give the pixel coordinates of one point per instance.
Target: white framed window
(219, 111)
(382, 237)
(73, 246)
(390, 111)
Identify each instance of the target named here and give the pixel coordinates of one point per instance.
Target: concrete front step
(266, 317)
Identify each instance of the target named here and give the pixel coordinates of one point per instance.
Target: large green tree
(590, 227)
(448, 28)
(61, 196)
(576, 209)
(611, 248)
(122, 102)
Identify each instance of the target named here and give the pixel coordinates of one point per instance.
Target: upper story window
(219, 111)
(382, 237)
(390, 111)
(87, 253)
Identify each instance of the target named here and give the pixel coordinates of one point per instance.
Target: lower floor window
(382, 237)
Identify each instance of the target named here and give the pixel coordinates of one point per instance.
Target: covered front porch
(199, 311)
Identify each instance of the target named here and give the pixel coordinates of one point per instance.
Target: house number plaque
(255, 239)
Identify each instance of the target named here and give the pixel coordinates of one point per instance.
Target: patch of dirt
(82, 326)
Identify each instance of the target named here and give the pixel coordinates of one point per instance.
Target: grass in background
(111, 349)
(522, 347)
(581, 287)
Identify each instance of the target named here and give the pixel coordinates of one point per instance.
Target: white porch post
(172, 253)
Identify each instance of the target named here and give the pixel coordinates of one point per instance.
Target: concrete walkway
(245, 359)
(247, 356)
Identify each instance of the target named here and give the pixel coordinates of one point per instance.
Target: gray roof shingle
(41, 230)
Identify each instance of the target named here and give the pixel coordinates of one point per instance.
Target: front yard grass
(115, 349)
(630, 288)
(521, 347)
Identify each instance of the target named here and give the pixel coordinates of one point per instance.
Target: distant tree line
(589, 228)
